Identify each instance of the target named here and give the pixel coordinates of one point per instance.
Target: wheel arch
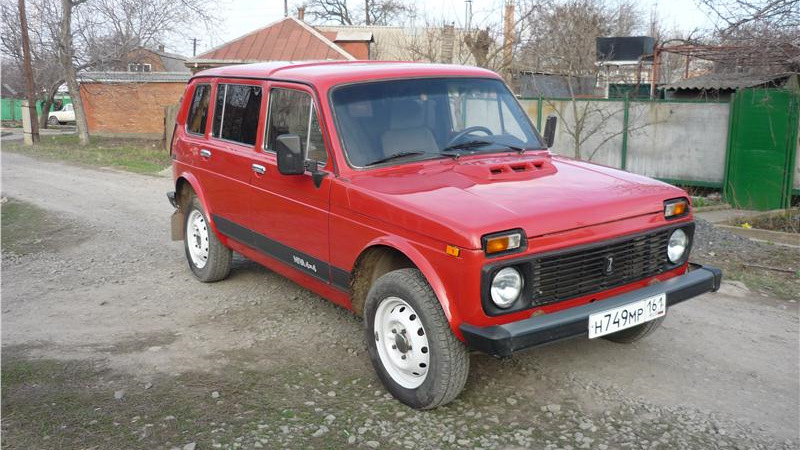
(187, 184)
(386, 254)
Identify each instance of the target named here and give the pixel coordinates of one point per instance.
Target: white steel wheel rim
(402, 342)
(197, 238)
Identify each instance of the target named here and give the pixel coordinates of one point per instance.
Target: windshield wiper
(478, 143)
(395, 156)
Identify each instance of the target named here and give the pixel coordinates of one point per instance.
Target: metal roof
(284, 40)
(134, 77)
(727, 81)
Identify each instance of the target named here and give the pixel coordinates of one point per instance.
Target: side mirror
(550, 131)
(290, 155)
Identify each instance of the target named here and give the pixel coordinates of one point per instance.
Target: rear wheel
(633, 334)
(416, 355)
(52, 120)
(209, 260)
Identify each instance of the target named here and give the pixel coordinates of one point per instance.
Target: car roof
(336, 72)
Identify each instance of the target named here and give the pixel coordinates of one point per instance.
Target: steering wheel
(469, 130)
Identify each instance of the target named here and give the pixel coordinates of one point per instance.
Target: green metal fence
(11, 108)
(762, 145)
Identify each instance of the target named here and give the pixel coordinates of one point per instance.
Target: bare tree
(761, 36)
(74, 35)
(563, 44)
(359, 12)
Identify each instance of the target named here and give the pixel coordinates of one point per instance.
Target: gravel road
(722, 372)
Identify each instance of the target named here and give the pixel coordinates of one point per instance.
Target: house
(445, 44)
(288, 39)
(129, 96)
(291, 39)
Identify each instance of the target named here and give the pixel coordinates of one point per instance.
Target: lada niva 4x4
(422, 198)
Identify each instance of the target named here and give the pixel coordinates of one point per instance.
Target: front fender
(428, 271)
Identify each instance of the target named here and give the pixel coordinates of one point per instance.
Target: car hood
(458, 201)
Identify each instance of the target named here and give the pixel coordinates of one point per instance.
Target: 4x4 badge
(609, 264)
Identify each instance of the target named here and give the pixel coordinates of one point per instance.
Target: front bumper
(503, 340)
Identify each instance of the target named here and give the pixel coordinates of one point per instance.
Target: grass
(787, 221)
(702, 202)
(145, 156)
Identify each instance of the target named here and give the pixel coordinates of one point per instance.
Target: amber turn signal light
(505, 243)
(678, 207)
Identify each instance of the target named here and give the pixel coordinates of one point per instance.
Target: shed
(720, 86)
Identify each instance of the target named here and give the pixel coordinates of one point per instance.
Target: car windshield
(403, 120)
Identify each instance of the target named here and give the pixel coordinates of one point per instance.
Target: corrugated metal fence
(680, 142)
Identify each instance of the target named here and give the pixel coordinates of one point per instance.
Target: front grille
(570, 274)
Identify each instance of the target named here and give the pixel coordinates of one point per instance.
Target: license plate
(626, 316)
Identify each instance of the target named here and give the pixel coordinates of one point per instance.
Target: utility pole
(285, 8)
(508, 37)
(194, 46)
(30, 90)
(468, 14)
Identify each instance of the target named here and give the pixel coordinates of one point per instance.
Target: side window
(236, 113)
(292, 112)
(198, 111)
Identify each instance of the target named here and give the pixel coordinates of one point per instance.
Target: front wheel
(416, 355)
(209, 260)
(52, 120)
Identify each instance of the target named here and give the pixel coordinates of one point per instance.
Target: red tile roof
(288, 39)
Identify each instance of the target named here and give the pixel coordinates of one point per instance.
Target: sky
(240, 17)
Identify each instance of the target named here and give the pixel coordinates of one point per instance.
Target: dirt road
(122, 348)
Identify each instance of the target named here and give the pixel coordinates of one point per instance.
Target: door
(223, 157)
(761, 148)
(289, 213)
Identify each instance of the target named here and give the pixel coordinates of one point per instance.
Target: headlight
(506, 287)
(676, 248)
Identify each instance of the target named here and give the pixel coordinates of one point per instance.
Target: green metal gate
(762, 142)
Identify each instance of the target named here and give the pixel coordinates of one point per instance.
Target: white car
(65, 114)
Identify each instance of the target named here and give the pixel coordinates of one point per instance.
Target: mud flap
(177, 220)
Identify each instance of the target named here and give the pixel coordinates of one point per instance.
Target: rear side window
(292, 112)
(236, 114)
(198, 110)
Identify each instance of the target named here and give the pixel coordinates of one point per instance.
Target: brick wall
(359, 49)
(128, 108)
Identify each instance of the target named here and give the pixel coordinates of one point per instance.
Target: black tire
(53, 120)
(218, 264)
(449, 359)
(633, 334)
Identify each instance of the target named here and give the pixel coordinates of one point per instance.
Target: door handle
(259, 169)
(205, 153)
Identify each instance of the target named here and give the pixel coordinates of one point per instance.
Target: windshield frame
(340, 138)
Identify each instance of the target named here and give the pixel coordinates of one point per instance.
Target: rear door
(224, 156)
(288, 212)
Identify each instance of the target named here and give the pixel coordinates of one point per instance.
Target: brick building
(130, 103)
(129, 96)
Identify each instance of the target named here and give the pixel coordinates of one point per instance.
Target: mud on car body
(422, 198)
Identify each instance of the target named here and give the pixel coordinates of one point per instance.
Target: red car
(422, 198)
